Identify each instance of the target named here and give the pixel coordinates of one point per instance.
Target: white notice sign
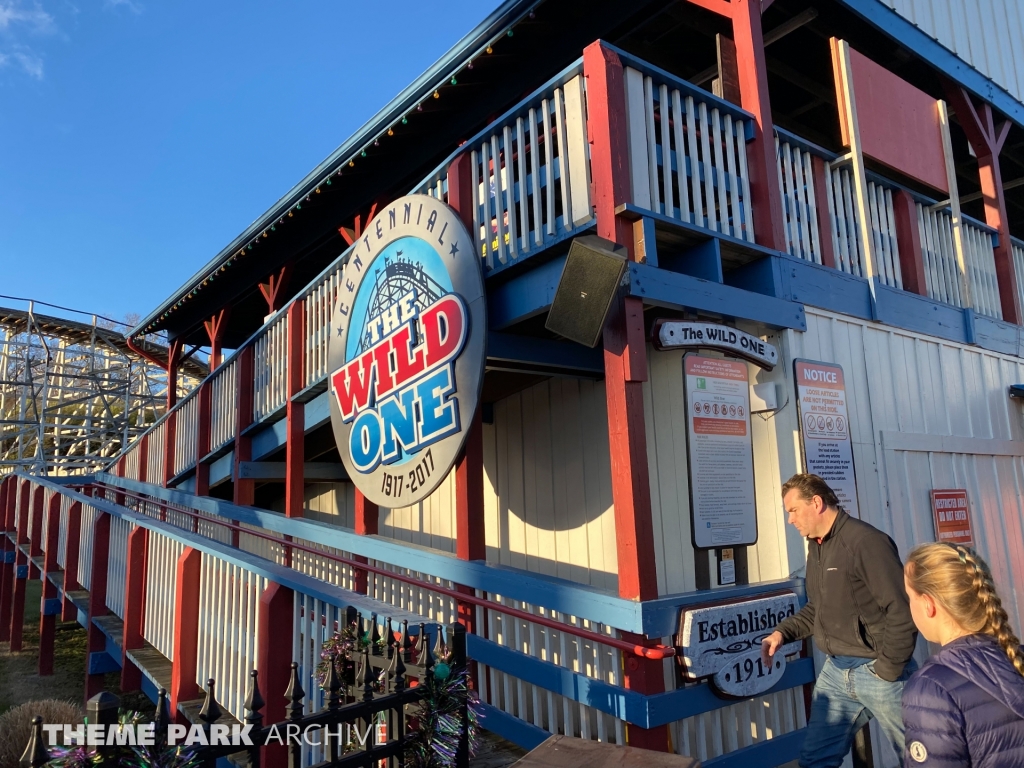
(721, 454)
(825, 428)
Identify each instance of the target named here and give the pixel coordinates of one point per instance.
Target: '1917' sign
(724, 641)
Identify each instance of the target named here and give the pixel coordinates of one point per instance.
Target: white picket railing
(796, 180)
(186, 430)
(320, 302)
(87, 529)
(155, 454)
(161, 573)
(531, 173)
(688, 157)
(270, 369)
(229, 599)
(223, 405)
(943, 275)
(1017, 248)
(117, 564)
(131, 460)
(846, 238)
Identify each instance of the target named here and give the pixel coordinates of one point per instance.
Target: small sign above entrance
(673, 334)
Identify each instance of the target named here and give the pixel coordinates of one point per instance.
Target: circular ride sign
(406, 353)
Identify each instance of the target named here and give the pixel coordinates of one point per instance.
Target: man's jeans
(842, 702)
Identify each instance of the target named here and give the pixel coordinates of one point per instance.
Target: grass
(19, 677)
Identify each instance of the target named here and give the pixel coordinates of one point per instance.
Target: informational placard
(952, 516)
(714, 637)
(825, 428)
(721, 452)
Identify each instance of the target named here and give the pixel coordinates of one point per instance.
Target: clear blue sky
(138, 137)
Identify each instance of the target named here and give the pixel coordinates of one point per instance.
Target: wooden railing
(687, 152)
(972, 284)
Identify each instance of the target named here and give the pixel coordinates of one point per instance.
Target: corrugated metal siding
(900, 386)
(987, 34)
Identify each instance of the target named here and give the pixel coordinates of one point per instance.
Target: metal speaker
(589, 283)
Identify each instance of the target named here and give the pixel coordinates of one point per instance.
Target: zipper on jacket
(821, 590)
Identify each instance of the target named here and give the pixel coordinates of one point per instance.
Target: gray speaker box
(589, 283)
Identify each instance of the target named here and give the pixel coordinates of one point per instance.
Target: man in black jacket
(858, 613)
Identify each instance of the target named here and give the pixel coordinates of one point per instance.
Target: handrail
(650, 652)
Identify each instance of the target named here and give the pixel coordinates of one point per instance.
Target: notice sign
(952, 516)
(825, 429)
(721, 452)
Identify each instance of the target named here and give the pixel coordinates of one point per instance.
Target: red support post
(173, 358)
(987, 140)
(134, 606)
(35, 547)
(243, 489)
(274, 289)
(20, 567)
(96, 641)
(908, 237)
(203, 440)
(367, 523)
(71, 550)
(50, 603)
(274, 641)
(7, 555)
(119, 469)
(828, 254)
(294, 482)
(186, 631)
(766, 196)
(625, 360)
(215, 332)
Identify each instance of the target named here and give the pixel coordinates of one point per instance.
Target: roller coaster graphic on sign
(406, 354)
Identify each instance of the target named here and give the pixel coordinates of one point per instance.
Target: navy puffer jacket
(965, 707)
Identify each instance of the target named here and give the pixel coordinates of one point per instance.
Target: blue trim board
(646, 711)
(776, 751)
(675, 291)
(937, 55)
(525, 295)
(100, 663)
(519, 732)
(511, 352)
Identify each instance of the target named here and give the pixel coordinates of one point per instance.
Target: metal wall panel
(987, 34)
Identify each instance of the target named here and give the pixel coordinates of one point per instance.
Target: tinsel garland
(342, 649)
(140, 757)
(434, 740)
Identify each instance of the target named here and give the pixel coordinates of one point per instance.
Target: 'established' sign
(715, 637)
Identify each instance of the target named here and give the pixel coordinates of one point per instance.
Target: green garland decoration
(435, 736)
(140, 757)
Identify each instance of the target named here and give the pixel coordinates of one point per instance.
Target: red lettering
(352, 384)
(385, 372)
(444, 329)
(407, 366)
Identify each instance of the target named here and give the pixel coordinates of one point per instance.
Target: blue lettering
(439, 416)
(364, 441)
(399, 422)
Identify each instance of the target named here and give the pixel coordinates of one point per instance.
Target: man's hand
(769, 646)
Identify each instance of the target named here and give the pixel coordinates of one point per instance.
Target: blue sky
(138, 137)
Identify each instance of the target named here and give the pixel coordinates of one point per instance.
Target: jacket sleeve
(799, 625)
(882, 572)
(934, 727)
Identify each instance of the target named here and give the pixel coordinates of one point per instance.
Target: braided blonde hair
(959, 580)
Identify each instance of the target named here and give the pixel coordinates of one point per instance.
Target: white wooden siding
(987, 35)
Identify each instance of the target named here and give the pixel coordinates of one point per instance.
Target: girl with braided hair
(965, 706)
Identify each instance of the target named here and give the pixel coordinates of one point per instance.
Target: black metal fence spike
(398, 673)
(389, 637)
(375, 636)
(294, 694)
(359, 624)
(405, 643)
(368, 676)
(440, 649)
(426, 658)
(211, 711)
(162, 718)
(254, 701)
(333, 684)
(35, 754)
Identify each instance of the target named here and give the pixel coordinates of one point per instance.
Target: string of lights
(448, 81)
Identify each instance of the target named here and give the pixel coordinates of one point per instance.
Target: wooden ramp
(567, 752)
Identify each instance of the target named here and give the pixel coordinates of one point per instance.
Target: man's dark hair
(809, 486)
